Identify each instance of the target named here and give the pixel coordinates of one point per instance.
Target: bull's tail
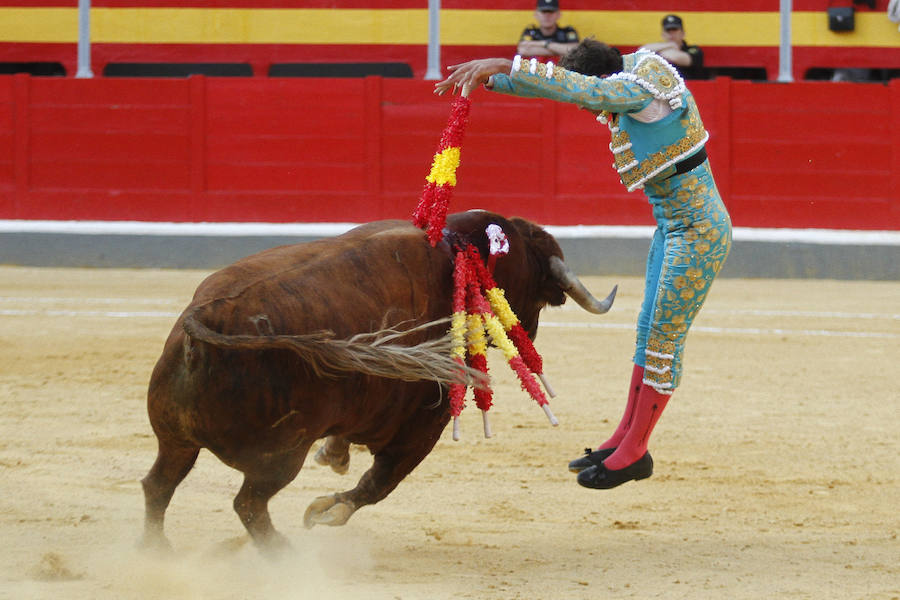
(378, 353)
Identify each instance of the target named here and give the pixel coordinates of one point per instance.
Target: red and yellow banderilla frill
(431, 213)
(485, 284)
(473, 315)
(512, 326)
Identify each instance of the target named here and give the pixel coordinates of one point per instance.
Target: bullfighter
(658, 144)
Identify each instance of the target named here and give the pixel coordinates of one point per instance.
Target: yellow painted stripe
(872, 29)
(38, 25)
(625, 28)
(499, 28)
(259, 26)
(218, 26)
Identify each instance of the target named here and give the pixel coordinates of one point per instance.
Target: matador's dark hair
(591, 57)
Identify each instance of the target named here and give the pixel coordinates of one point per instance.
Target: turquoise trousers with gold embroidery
(690, 244)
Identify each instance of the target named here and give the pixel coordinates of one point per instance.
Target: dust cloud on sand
(231, 569)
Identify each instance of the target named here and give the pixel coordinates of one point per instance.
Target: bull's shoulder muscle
(380, 227)
(326, 259)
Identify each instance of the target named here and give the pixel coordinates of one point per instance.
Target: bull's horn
(576, 290)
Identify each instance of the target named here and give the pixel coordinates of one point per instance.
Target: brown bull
(259, 366)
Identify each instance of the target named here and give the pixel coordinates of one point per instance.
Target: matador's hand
(469, 75)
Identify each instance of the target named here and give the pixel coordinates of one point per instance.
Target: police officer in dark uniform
(686, 58)
(547, 38)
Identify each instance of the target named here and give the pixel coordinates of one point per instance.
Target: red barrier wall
(350, 150)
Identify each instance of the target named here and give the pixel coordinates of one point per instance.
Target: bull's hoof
(156, 544)
(273, 546)
(326, 510)
(227, 547)
(338, 464)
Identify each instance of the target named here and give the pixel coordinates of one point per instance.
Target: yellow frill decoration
(443, 168)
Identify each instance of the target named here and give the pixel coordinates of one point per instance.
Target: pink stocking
(637, 374)
(650, 405)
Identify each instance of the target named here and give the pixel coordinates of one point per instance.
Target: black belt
(689, 163)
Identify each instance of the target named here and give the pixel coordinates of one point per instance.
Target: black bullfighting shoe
(591, 458)
(601, 478)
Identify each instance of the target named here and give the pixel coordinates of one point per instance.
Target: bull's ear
(528, 230)
(541, 243)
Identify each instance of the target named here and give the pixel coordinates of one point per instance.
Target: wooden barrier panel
(824, 155)
(815, 153)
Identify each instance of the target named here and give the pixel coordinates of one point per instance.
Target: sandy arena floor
(777, 462)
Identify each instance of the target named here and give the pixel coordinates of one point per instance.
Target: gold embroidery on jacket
(694, 135)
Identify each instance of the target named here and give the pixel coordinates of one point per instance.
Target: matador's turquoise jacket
(693, 234)
(641, 150)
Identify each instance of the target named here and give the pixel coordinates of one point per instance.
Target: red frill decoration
(477, 302)
(483, 398)
(461, 277)
(456, 124)
(457, 394)
(431, 212)
(420, 215)
(527, 380)
(517, 333)
(524, 345)
(440, 203)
